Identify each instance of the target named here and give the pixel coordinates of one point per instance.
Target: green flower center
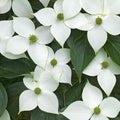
(33, 39)
(37, 91)
(97, 111)
(105, 64)
(53, 62)
(98, 21)
(60, 16)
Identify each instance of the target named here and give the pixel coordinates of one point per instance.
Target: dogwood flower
(31, 40)
(45, 2)
(5, 116)
(6, 34)
(103, 19)
(104, 68)
(93, 106)
(40, 93)
(56, 18)
(58, 62)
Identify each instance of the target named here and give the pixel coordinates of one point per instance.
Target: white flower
(31, 40)
(45, 2)
(5, 35)
(93, 106)
(57, 17)
(40, 93)
(104, 68)
(5, 116)
(58, 62)
(21, 8)
(103, 19)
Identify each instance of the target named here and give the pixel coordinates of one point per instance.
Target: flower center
(33, 39)
(105, 64)
(97, 111)
(60, 16)
(37, 91)
(53, 62)
(98, 21)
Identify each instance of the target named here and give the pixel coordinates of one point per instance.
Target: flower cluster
(20, 36)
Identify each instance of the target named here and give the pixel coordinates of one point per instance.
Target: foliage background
(12, 72)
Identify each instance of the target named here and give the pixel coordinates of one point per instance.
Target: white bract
(93, 106)
(21, 8)
(104, 68)
(40, 93)
(6, 34)
(58, 62)
(57, 17)
(5, 116)
(103, 19)
(45, 2)
(31, 40)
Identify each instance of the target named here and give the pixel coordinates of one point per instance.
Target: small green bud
(33, 39)
(98, 21)
(97, 111)
(37, 91)
(53, 62)
(60, 16)
(105, 64)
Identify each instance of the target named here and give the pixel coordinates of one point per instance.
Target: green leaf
(81, 51)
(3, 99)
(14, 90)
(14, 68)
(112, 47)
(74, 93)
(37, 114)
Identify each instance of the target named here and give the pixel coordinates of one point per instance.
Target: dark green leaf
(14, 68)
(81, 51)
(3, 99)
(40, 115)
(74, 93)
(112, 47)
(14, 90)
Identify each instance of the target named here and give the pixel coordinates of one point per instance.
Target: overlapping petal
(48, 82)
